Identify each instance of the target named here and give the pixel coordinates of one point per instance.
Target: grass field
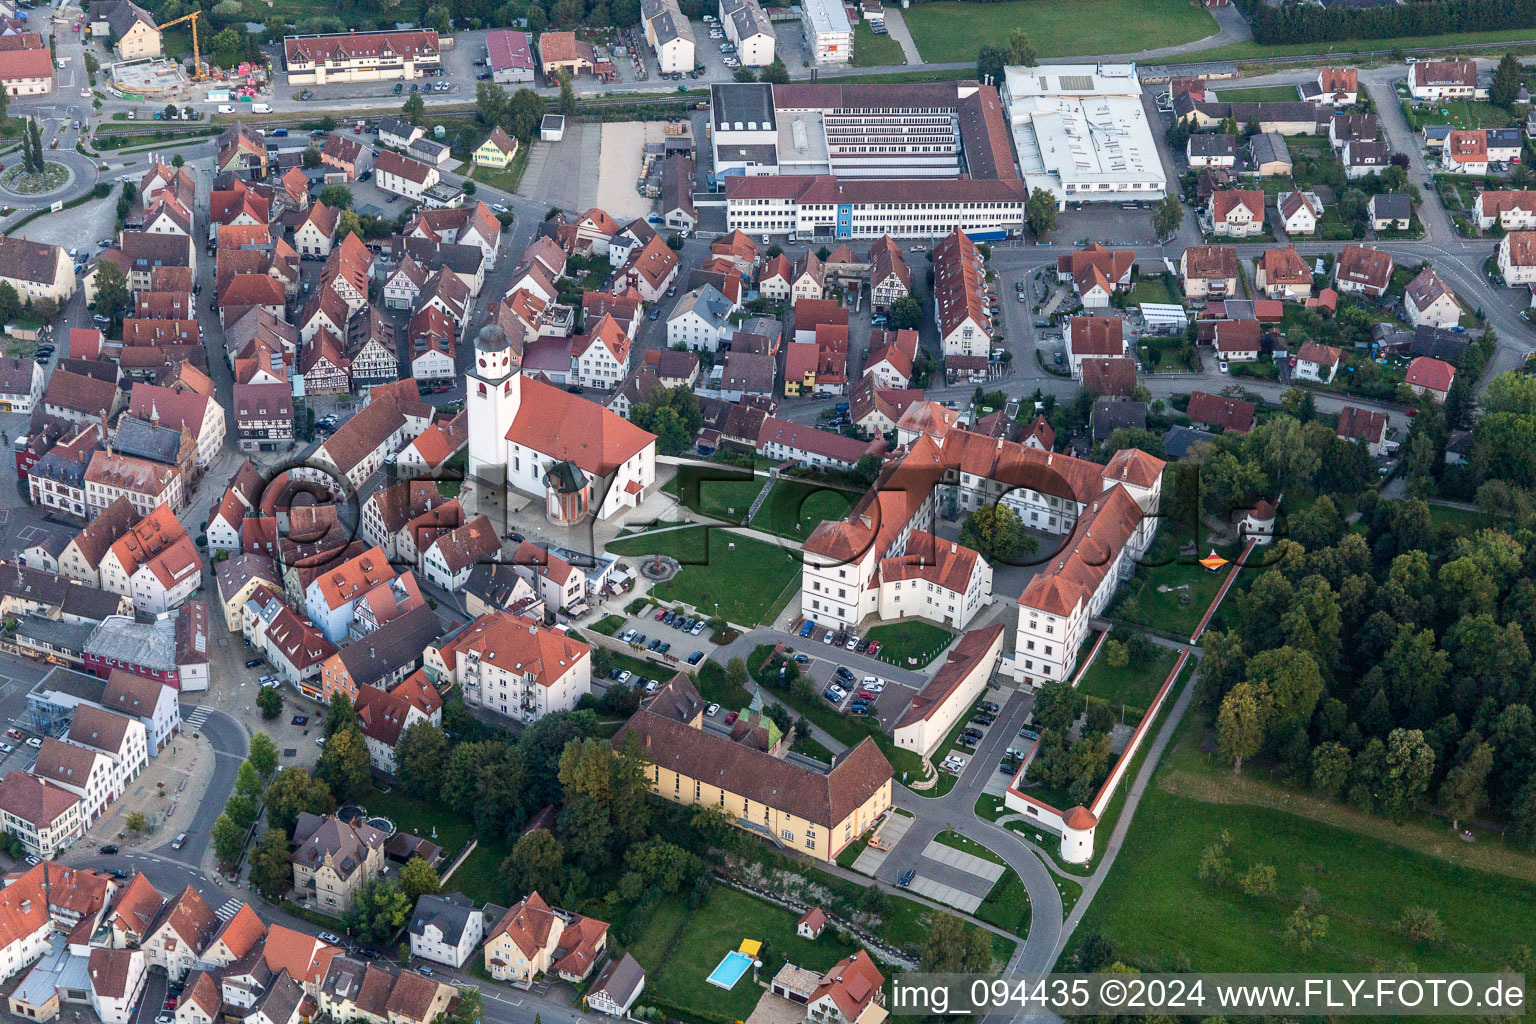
(419, 817)
(872, 51)
(480, 876)
(508, 178)
(1134, 685)
(726, 917)
(1450, 40)
(1362, 875)
(741, 578)
(1144, 603)
(952, 31)
(794, 508)
(900, 642)
(717, 493)
(1460, 519)
(1152, 289)
(1259, 94)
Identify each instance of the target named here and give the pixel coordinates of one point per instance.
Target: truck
(261, 108)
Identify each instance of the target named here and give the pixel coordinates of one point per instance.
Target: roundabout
(54, 177)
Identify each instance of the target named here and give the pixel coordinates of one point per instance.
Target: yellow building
(497, 150)
(817, 813)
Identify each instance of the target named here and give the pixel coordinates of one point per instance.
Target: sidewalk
(168, 791)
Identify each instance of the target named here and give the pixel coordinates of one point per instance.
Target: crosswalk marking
(197, 717)
(230, 908)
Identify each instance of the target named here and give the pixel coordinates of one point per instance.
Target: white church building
(536, 439)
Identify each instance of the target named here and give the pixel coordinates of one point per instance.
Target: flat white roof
(1081, 124)
(826, 16)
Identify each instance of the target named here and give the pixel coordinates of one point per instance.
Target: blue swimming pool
(729, 971)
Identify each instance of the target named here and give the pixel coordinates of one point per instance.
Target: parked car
(331, 937)
(874, 648)
(629, 636)
(34, 742)
(179, 841)
(624, 675)
(252, 662)
(695, 657)
(109, 849)
(712, 710)
(6, 748)
(661, 613)
(698, 627)
(906, 877)
(843, 673)
(730, 719)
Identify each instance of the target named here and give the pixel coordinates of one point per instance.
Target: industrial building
(1081, 132)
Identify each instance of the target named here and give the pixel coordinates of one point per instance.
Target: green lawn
(1154, 907)
(480, 876)
(810, 748)
(872, 51)
(665, 922)
(704, 491)
(1261, 94)
(1007, 905)
(1458, 114)
(1134, 685)
(1152, 289)
(795, 507)
(726, 917)
(744, 579)
(1143, 602)
(1459, 519)
(948, 32)
(608, 625)
(902, 642)
(508, 178)
(420, 818)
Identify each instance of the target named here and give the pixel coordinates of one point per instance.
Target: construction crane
(197, 59)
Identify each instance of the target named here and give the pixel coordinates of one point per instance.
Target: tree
(420, 754)
(736, 673)
(414, 108)
(990, 61)
(1258, 880)
(270, 702)
(336, 196)
(1352, 205)
(1040, 212)
(348, 224)
(952, 948)
(468, 1008)
(344, 763)
(567, 97)
(1305, 929)
(418, 878)
(665, 867)
(296, 792)
(111, 290)
(1505, 87)
(263, 755)
(1330, 767)
(537, 862)
(339, 714)
(1464, 790)
(525, 111)
(998, 533)
(744, 75)
(1020, 50)
(5, 104)
(379, 908)
(775, 73)
(247, 782)
(1167, 216)
(271, 871)
(906, 313)
(1420, 924)
(1241, 722)
(1115, 654)
(1410, 763)
(868, 467)
(228, 839)
(136, 821)
(177, 161)
(1291, 678)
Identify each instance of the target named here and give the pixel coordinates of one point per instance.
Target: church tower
(492, 394)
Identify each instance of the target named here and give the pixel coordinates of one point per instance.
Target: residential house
(37, 270)
(1093, 336)
(1299, 212)
(496, 151)
(513, 666)
(1429, 301)
(130, 28)
(450, 558)
(1207, 150)
(700, 319)
(1237, 213)
(1209, 271)
(384, 657)
(1333, 87)
(1390, 212)
(404, 176)
(384, 715)
(118, 977)
(892, 357)
(1208, 411)
(809, 278)
(346, 155)
(1368, 426)
(315, 233)
(559, 584)
(1096, 272)
(334, 859)
(773, 283)
(622, 980)
(1432, 377)
(1238, 341)
(1283, 274)
(46, 818)
(960, 306)
(889, 276)
(1362, 158)
(533, 939)
(1318, 363)
(1363, 270)
(1465, 152)
(446, 928)
(180, 933)
(1516, 258)
(1443, 80)
(1269, 156)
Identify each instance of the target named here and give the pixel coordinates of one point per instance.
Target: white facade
(430, 943)
(828, 34)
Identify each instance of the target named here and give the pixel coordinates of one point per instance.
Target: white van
(261, 108)
(226, 109)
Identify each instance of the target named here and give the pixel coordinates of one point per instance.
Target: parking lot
(647, 635)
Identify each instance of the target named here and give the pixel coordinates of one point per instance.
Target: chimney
(1049, 456)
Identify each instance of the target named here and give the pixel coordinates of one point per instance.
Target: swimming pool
(729, 971)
